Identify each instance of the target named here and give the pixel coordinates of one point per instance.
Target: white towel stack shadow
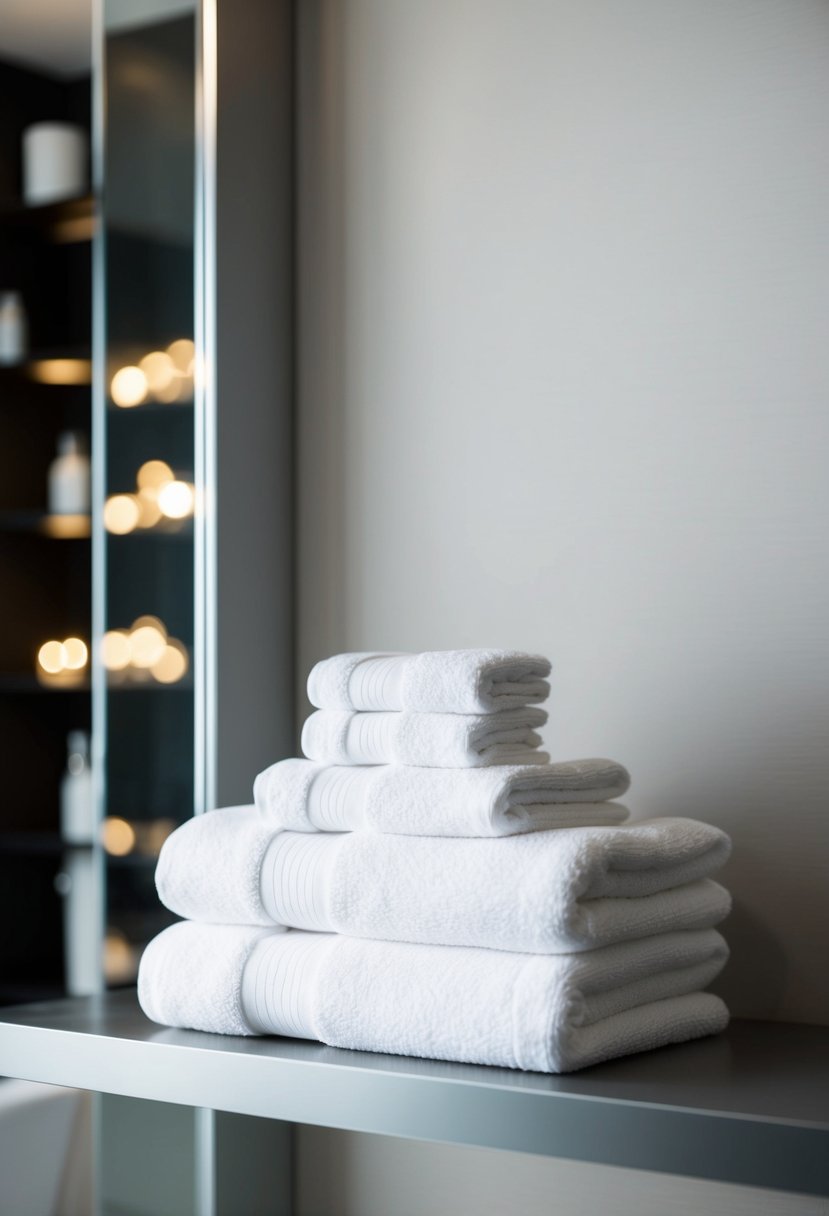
(426, 883)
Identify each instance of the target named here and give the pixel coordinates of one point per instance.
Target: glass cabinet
(192, 500)
(145, 364)
(146, 635)
(146, 652)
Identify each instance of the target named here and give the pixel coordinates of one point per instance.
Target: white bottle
(69, 477)
(80, 881)
(14, 328)
(76, 808)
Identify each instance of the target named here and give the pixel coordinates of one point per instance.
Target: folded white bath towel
(550, 1014)
(501, 800)
(544, 892)
(509, 736)
(437, 681)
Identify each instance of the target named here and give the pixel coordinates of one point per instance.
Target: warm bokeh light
(76, 654)
(61, 371)
(62, 663)
(52, 658)
(149, 510)
(122, 514)
(179, 389)
(153, 621)
(117, 836)
(115, 650)
(182, 352)
(160, 371)
(160, 375)
(144, 653)
(173, 663)
(160, 494)
(153, 474)
(67, 527)
(73, 229)
(120, 958)
(148, 640)
(153, 834)
(128, 387)
(175, 499)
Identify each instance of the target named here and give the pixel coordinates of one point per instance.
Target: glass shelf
(70, 221)
(157, 408)
(30, 367)
(43, 524)
(41, 844)
(28, 683)
(160, 532)
(24, 682)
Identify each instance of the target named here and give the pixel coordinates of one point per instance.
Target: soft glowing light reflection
(117, 836)
(62, 663)
(182, 352)
(52, 657)
(144, 653)
(176, 499)
(66, 527)
(149, 510)
(153, 474)
(76, 654)
(148, 638)
(120, 958)
(61, 371)
(122, 514)
(160, 371)
(172, 664)
(115, 650)
(128, 387)
(160, 495)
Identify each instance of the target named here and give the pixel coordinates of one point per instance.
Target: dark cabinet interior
(45, 256)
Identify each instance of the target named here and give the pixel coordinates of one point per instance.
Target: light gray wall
(346, 1174)
(563, 381)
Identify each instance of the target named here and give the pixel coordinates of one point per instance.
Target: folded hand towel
(433, 740)
(543, 892)
(500, 800)
(437, 681)
(550, 1014)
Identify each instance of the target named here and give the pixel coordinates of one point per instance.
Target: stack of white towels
(426, 883)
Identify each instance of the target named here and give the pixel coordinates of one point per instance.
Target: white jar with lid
(55, 156)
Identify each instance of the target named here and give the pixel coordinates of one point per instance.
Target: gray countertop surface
(751, 1105)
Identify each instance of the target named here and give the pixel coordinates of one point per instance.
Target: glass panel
(148, 211)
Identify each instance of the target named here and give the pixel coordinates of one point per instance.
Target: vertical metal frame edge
(98, 681)
(98, 492)
(254, 385)
(205, 591)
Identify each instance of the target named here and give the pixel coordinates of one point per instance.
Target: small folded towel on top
(437, 681)
(550, 1014)
(544, 892)
(500, 800)
(508, 736)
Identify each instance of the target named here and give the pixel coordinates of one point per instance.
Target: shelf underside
(750, 1106)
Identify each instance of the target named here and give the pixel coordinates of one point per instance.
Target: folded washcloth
(437, 681)
(550, 1014)
(509, 736)
(544, 892)
(500, 800)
